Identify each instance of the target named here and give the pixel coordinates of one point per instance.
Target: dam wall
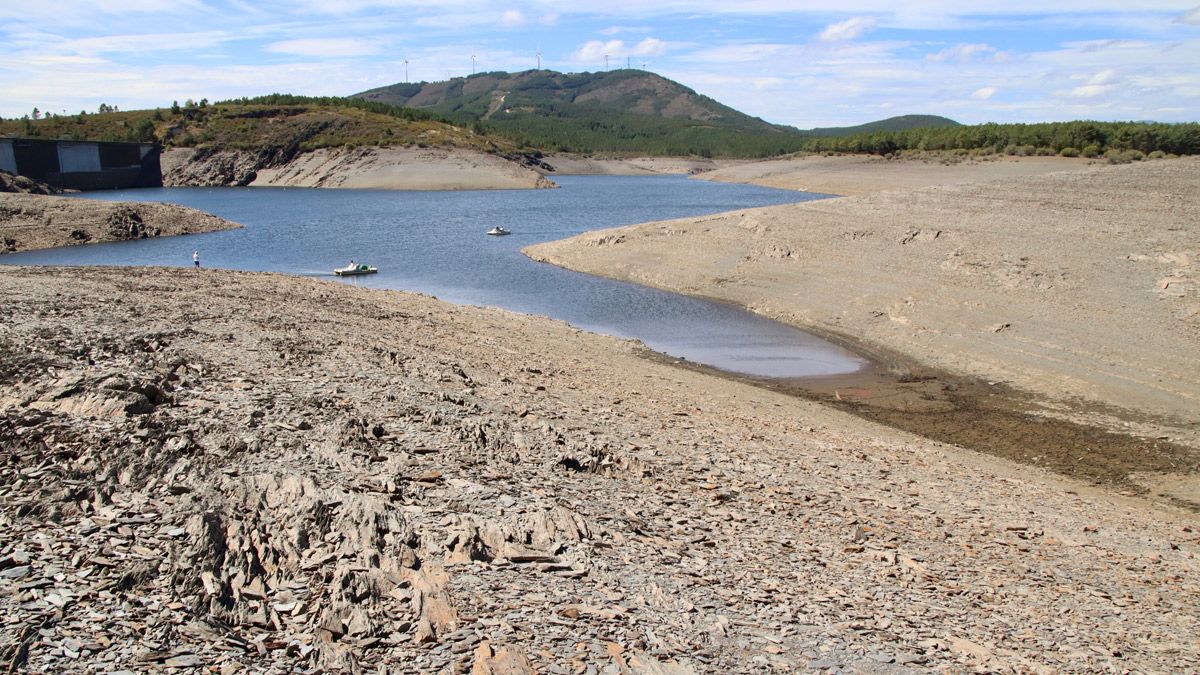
(83, 165)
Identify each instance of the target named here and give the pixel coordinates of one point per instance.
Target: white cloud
(960, 53)
(984, 93)
(848, 29)
(1092, 90)
(767, 82)
(595, 50)
(121, 44)
(323, 47)
(741, 53)
(1191, 18)
(617, 30)
(512, 19)
(649, 47)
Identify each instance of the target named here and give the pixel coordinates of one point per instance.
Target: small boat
(355, 270)
(498, 231)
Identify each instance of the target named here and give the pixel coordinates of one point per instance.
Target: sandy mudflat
(29, 221)
(392, 168)
(634, 166)
(231, 470)
(850, 175)
(1078, 285)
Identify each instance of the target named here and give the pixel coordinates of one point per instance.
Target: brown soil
(996, 419)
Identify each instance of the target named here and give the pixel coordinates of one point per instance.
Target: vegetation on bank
(277, 123)
(1068, 139)
(586, 130)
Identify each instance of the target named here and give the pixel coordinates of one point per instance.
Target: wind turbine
(539, 58)
(606, 61)
(472, 64)
(405, 71)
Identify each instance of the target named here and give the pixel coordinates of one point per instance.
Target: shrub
(1115, 156)
(1090, 151)
(1069, 152)
(1157, 154)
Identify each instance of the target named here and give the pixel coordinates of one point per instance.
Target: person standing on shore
(196, 258)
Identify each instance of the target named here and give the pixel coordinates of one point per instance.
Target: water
(434, 242)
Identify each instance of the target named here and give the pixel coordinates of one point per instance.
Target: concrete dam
(83, 165)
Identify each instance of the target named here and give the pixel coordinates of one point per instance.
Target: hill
(901, 123)
(268, 124)
(623, 111)
(614, 111)
(278, 138)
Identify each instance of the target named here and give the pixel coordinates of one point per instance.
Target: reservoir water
(434, 243)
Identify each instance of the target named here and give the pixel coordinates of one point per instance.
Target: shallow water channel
(434, 242)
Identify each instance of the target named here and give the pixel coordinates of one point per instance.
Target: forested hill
(621, 111)
(498, 95)
(618, 111)
(901, 123)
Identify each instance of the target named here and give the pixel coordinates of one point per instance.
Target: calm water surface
(434, 242)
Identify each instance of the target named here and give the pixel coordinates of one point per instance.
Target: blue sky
(803, 63)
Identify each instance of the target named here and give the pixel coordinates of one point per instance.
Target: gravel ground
(235, 471)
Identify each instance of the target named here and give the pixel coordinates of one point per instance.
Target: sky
(807, 64)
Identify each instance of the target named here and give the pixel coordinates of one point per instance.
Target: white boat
(355, 270)
(498, 231)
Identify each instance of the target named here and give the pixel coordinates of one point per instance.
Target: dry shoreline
(229, 469)
(857, 175)
(1077, 287)
(382, 168)
(590, 165)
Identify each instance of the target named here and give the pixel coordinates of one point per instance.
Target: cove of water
(434, 243)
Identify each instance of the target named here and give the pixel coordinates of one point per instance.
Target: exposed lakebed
(434, 242)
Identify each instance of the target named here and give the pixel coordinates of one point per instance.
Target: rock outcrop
(33, 221)
(13, 183)
(372, 167)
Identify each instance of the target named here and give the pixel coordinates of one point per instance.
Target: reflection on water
(434, 242)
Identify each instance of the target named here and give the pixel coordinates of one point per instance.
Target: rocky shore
(234, 471)
(36, 221)
(391, 168)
